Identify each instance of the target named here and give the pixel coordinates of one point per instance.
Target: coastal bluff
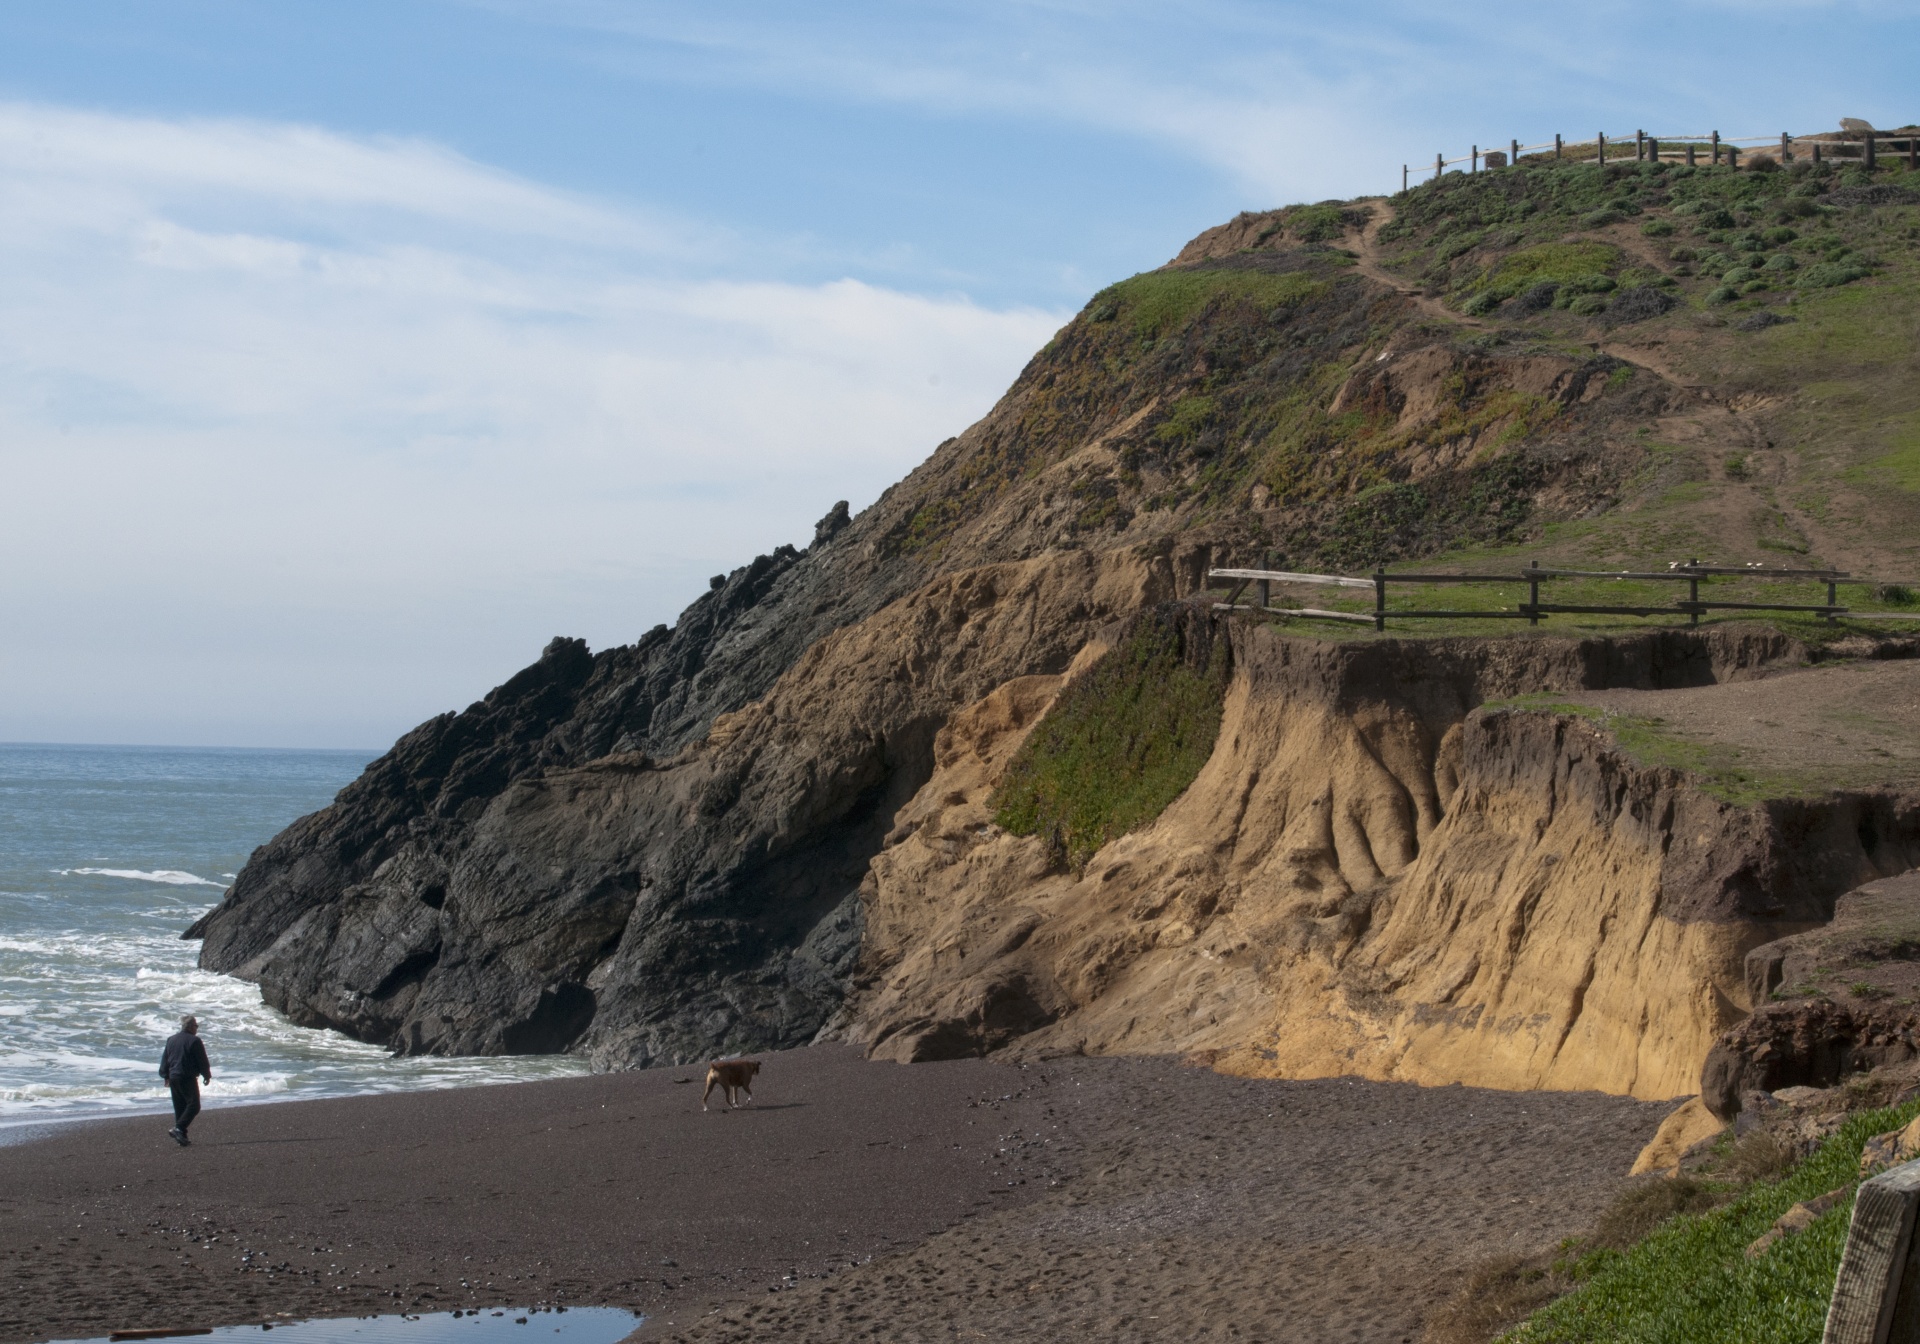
(782, 819)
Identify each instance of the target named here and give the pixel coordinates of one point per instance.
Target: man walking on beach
(183, 1064)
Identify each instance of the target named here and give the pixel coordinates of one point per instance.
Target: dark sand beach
(1079, 1199)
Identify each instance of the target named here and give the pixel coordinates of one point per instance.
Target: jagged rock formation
(1829, 1002)
(638, 908)
(702, 840)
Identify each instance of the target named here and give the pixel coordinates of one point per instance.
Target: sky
(352, 349)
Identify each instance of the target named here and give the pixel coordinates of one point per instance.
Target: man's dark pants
(186, 1101)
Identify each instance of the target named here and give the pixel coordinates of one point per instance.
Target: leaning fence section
(1692, 573)
(1860, 147)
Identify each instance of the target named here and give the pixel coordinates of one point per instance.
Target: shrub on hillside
(1872, 194)
(1829, 274)
(1537, 298)
(1639, 304)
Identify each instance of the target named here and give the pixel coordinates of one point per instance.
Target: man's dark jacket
(184, 1057)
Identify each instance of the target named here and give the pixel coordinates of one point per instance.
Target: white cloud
(1289, 100)
(291, 421)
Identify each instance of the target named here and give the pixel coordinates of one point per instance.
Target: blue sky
(350, 350)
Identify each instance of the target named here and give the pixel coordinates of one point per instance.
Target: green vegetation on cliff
(1156, 302)
(1124, 739)
(1604, 368)
(1691, 1281)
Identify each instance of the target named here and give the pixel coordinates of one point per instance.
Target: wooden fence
(1861, 147)
(1692, 573)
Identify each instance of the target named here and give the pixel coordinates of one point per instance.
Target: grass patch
(1123, 740)
(1558, 261)
(1183, 424)
(1715, 768)
(1159, 302)
(1690, 1281)
(1901, 466)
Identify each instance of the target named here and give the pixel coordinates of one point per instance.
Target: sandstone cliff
(705, 840)
(1370, 875)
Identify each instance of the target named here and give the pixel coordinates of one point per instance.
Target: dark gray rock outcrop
(345, 918)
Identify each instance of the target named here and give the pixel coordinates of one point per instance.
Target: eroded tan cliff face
(1367, 877)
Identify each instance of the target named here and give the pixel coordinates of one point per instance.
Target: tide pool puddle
(487, 1325)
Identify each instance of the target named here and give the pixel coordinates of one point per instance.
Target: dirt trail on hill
(1370, 256)
(1366, 246)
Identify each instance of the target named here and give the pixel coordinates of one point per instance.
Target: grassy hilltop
(1606, 367)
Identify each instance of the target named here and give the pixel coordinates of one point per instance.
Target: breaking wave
(171, 877)
(94, 975)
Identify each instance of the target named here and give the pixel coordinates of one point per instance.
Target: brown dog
(730, 1076)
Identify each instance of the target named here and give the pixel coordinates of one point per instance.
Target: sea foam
(94, 975)
(171, 877)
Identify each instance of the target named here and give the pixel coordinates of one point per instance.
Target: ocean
(106, 855)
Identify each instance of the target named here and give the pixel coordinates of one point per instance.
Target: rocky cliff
(708, 839)
(1376, 872)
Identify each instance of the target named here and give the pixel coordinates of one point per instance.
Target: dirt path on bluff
(1841, 726)
(1370, 258)
(1365, 245)
(1110, 1199)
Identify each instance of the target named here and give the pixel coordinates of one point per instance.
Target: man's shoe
(178, 1135)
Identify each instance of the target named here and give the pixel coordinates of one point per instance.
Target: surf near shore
(1115, 1198)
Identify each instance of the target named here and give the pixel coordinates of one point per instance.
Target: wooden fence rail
(1692, 573)
(1688, 149)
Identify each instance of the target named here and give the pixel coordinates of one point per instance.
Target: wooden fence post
(1913, 154)
(1716, 148)
(1475, 161)
(1786, 148)
(1533, 593)
(1874, 1284)
(1439, 166)
(1693, 593)
(1733, 156)
(1380, 597)
(1653, 150)
(1690, 154)
(1403, 177)
(1513, 153)
(1871, 161)
(1816, 151)
(1602, 138)
(1556, 144)
(1639, 146)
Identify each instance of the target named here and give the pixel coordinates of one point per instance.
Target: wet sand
(1087, 1198)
